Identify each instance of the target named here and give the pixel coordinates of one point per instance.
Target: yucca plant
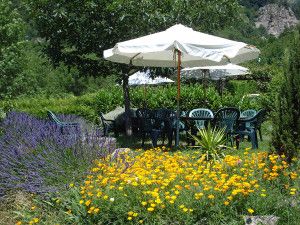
(211, 142)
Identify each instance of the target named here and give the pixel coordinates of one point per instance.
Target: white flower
(112, 199)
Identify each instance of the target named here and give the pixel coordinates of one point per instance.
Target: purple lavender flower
(35, 156)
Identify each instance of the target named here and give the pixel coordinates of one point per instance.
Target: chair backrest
(259, 118)
(144, 119)
(53, 118)
(143, 113)
(182, 124)
(227, 118)
(102, 120)
(163, 118)
(248, 113)
(204, 113)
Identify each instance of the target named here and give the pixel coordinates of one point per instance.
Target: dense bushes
(87, 106)
(11, 37)
(105, 100)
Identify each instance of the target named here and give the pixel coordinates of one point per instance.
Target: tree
(286, 116)
(77, 32)
(12, 30)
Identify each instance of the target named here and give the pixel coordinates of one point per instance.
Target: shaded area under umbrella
(180, 46)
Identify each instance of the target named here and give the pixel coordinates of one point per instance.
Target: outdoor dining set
(161, 123)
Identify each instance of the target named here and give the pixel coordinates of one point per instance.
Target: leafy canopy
(12, 31)
(78, 31)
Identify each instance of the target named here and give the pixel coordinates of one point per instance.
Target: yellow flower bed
(159, 182)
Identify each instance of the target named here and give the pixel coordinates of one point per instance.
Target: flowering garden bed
(161, 187)
(77, 179)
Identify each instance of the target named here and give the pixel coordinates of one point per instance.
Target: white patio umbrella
(180, 46)
(215, 72)
(144, 78)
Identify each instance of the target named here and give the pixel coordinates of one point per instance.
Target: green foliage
(74, 34)
(11, 24)
(211, 141)
(286, 115)
(260, 3)
(107, 99)
(2, 114)
(38, 77)
(104, 100)
(87, 106)
(192, 96)
(273, 50)
(245, 30)
(11, 34)
(272, 87)
(77, 32)
(295, 5)
(38, 106)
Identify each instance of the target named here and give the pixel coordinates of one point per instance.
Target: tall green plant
(286, 116)
(211, 141)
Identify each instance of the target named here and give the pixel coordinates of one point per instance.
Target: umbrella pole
(178, 99)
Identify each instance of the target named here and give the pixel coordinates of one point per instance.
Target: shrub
(105, 100)
(12, 29)
(192, 96)
(36, 157)
(39, 105)
(286, 115)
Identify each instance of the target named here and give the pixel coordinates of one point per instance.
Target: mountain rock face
(276, 18)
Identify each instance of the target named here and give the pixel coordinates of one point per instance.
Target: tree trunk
(128, 123)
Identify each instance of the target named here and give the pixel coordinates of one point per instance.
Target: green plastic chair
(108, 125)
(145, 123)
(204, 113)
(258, 122)
(254, 127)
(227, 118)
(61, 124)
(163, 124)
(248, 113)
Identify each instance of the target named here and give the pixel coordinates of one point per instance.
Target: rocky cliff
(276, 18)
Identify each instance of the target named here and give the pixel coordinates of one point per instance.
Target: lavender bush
(35, 156)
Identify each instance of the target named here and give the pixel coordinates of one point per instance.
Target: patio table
(241, 122)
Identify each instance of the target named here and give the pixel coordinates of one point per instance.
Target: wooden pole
(178, 99)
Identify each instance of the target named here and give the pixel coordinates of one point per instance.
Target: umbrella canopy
(215, 72)
(180, 46)
(144, 78)
(197, 49)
